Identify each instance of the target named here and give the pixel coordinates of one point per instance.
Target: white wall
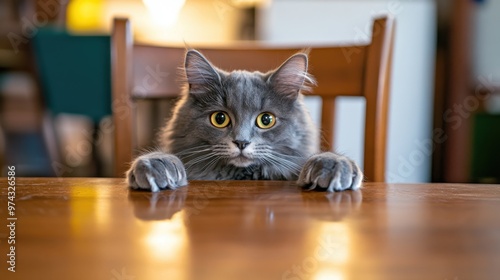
(410, 116)
(486, 50)
(486, 56)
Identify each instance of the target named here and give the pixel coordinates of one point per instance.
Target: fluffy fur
(193, 148)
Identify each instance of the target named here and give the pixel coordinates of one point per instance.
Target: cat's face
(243, 119)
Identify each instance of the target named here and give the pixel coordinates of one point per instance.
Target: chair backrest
(142, 71)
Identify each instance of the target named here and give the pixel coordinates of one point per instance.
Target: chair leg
(96, 158)
(51, 143)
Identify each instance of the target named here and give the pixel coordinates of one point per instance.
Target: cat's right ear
(200, 73)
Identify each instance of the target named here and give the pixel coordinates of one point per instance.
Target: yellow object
(84, 15)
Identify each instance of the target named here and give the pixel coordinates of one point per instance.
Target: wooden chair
(355, 70)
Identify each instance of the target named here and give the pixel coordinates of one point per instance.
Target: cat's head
(243, 118)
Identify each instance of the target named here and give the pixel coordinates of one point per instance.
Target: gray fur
(192, 146)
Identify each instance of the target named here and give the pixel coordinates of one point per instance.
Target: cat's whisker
(205, 148)
(287, 160)
(193, 159)
(198, 154)
(213, 157)
(282, 164)
(209, 165)
(200, 147)
(197, 147)
(284, 158)
(290, 169)
(269, 149)
(193, 152)
(285, 164)
(199, 159)
(282, 170)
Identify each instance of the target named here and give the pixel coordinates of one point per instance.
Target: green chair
(74, 73)
(486, 148)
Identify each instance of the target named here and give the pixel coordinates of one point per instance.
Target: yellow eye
(220, 119)
(266, 120)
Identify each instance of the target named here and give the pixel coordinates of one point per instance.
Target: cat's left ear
(291, 77)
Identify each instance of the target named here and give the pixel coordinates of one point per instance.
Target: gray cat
(243, 125)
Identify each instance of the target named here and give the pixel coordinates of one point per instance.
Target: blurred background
(444, 119)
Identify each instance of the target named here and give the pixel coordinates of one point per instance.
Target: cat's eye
(265, 120)
(220, 119)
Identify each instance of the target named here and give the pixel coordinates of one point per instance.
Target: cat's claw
(155, 172)
(331, 172)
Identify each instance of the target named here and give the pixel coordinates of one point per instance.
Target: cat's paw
(156, 171)
(331, 172)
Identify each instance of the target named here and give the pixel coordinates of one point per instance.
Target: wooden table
(97, 229)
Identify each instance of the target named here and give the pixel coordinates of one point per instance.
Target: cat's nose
(241, 144)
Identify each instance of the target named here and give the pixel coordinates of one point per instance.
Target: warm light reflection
(333, 251)
(328, 274)
(160, 21)
(102, 207)
(249, 3)
(82, 203)
(335, 237)
(164, 12)
(90, 206)
(167, 239)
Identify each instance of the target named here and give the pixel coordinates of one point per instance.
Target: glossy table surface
(97, 229)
